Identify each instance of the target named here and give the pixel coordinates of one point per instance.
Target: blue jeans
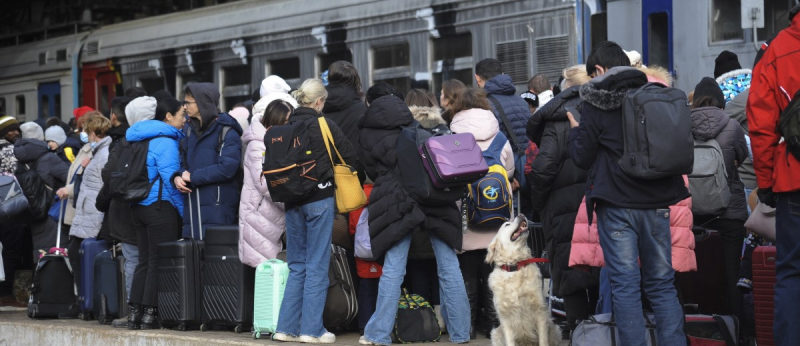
(787, 269)
(625, 236)
(131, 254)
(604, 301)
(453, 294)
(308, 253)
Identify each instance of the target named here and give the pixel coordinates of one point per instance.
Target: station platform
(17, 329)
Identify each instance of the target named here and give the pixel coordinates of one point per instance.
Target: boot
(150, 317)
(134, 316)
(121, 322)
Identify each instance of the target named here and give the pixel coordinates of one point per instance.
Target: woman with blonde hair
(557, 187)
(309, 225)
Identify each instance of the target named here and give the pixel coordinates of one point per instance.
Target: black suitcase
(227, 284)
(110, 297)
(341, 305)
(53, 291)
(179, 279)
(703, 290)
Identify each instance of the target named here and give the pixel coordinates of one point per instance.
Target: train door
(99, 83)
(657, 33)
(49, 98)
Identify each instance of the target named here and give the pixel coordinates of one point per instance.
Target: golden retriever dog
(516, 284)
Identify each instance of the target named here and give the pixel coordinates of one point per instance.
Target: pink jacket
(586, 242)
(261, 221)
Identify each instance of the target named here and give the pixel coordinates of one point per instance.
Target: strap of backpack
(221, 139)
(502, 115)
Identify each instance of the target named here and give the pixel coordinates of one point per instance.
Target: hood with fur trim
(606, 92)
(428, 117)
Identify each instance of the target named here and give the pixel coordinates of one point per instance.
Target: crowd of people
(614, 241)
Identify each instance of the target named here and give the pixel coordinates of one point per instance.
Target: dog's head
(510, 244)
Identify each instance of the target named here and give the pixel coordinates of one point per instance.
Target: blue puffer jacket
(213, 167)
(163, 158)
(516, 109)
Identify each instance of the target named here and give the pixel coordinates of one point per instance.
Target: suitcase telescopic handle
(199, 213)
(60, 221)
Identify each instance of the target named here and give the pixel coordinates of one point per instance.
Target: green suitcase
(270, 282)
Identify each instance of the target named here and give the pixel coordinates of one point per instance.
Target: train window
(103, 107)
(151, 85)
(726, 20)
(288, 68)
(402, 84)
(390, 56)
(237, 75)
(326, 60)
(61, 55)
(42, 58)
(657, 39)
(452, 46)
(236, 87)
(776, 18)
(56, 106)
(2, 105)
(464, 75)
(514, 58)
(20, 100)
(44, 107)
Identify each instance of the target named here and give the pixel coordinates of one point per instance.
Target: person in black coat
(344, 105)
(395, 215)
(557, 187)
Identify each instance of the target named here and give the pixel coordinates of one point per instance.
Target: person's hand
(186, 176)
(181, 185)
(767, 197)
(572, 122)
(85, 162)
(514, 184)
(62, 193)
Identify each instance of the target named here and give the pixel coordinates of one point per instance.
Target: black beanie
(382, 89)
(725, 62)
(708, 87)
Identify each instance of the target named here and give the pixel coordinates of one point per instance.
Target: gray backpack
(657, 133)
(708, 181)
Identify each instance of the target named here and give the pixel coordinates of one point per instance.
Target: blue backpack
(489, 199)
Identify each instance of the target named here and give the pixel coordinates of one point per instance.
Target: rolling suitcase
(227, 284)
(271, 276)
(703, 288)
(110, 298)
(53, 290)
(90, 247)
(341, 306)
(179, 278)
(764, 293)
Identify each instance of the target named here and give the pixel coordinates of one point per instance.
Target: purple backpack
(453, 160)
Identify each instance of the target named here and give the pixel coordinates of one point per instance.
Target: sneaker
(363, 341)
(327, 338)
(284, 337)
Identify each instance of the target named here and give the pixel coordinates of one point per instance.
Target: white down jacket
(88, 219)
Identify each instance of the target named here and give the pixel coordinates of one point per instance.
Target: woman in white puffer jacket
(261, 221)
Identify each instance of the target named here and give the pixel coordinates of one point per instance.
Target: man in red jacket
(776, 80)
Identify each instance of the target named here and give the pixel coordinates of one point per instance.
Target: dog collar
(519, 265)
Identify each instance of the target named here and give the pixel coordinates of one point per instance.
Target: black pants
(423, 279)
(17, 246)
(73, 250)
(732, 233)
(476, 280)
(154, 224)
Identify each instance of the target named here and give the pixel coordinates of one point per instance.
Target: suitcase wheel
(256, 335)
(203, 327)
(182, 326)
(237, 329)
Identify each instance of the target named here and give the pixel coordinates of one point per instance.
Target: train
(404, 43)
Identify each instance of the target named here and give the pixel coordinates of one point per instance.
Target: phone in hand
(574, 111)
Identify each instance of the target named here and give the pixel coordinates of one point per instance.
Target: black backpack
(411, 172)
(789, 126)
(38, 193)
(127, 168)
(289, 167)
(657, 133)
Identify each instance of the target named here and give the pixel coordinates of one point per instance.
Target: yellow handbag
(348, 191)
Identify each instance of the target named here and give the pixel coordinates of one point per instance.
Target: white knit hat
(140, 108)
(56, 134)
(273, 84)
(31, 129)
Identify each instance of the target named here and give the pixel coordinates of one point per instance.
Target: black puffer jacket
(712, 122)
(393, 213)
(118, 217)
(345, 107)
(36, 154)
(557, 187)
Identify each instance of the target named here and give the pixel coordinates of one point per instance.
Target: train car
(237, 44)
(686, 36)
